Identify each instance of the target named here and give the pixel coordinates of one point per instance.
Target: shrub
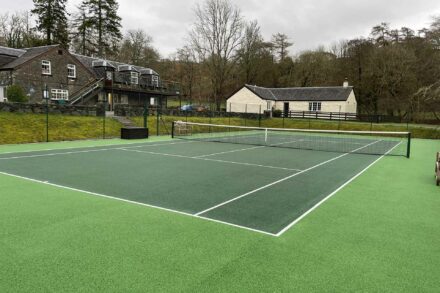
(277, 113)
(15, 93)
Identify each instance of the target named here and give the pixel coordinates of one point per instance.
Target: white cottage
(254, 99)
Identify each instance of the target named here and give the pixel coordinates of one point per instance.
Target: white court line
(136, 203)
(281, 180)
(88, 151)
(210, 160)
(246, 149)
(333, 193)
(69, 148)
(228, 152)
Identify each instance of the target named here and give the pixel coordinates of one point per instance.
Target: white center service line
(210, 160)
(281, 180)
(246, 149)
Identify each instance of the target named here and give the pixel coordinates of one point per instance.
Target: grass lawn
(418, 131)
(378, 234)
(25, 128)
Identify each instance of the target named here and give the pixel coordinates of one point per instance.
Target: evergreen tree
(103, 18)
(82, 33)
(52, 20)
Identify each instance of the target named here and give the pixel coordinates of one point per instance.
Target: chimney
(345, 84)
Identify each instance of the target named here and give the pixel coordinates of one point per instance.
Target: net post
(265, 135)
(408, 148)
(172, 129)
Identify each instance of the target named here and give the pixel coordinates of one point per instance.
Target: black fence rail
(372, 118)
(320, 115)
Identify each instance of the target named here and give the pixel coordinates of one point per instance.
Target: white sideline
(69, 148)
(281, 180)
(88, 151)
(211, 160)
(135, 202)
(285, 229)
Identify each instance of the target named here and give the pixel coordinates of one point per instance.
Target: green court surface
(191, 216)
(266, 189)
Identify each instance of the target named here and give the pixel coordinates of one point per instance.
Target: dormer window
(155, 80)
(46, 67)
(71, 71)
(134, 78)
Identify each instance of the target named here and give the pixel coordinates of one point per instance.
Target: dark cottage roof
(337, 93)
(11, 52)
(92, 63)
(28, 54)
(11, 58)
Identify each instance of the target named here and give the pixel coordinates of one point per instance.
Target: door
(286, 110)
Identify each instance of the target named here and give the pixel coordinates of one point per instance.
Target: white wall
(245, 101)
(349, 106)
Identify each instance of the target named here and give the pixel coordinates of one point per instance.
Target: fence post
(46, 96)
(157, 120)
(259, 118)
(245, 115)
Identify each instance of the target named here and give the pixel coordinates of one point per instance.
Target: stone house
(67, 78)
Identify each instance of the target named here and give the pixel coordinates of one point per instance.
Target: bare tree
(187, 60)
(249, 53)
(137, 49)
(216, 36)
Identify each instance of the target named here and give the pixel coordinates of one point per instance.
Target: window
(46, 68)
(155, 80)
(71, 71)
(58, 94)
(134, 78)
(268, 106)
(109, 75)
(315, 106)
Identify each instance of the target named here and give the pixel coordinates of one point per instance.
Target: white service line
(246, 149)
(333, 193)
(88, 151)
(210, 160)
(228, 152)
(136, 203)
(281, 180)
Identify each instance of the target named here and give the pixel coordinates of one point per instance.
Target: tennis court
(250, 178)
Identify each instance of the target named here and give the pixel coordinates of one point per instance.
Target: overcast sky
(309, 23)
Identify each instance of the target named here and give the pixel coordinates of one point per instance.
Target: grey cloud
(308, 23)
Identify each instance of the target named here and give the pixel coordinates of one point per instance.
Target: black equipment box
(134, 132)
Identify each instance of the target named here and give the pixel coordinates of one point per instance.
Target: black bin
(134, 132)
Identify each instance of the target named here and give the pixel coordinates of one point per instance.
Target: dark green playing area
(261, 188)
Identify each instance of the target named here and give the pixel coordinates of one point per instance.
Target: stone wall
(132, 111)
(53, 109)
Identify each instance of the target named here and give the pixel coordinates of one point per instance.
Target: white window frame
(71, 68)
(315, 106)
(155, 80)
(59, 95)
(46, 67)
(134, 77)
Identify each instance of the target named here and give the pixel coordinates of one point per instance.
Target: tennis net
(362, 142)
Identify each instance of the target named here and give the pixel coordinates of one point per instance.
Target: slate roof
(24, 56)
(90, 61)
(11, 51)
(11, 58)
(337, 93)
